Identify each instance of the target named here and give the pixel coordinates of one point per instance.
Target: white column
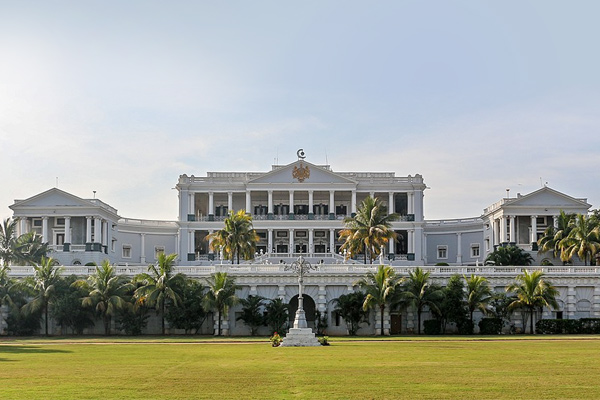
(353, 203)
(311, 247)
(291, 241)
(67, 229)
(248, 202)
(229, 201)
(332, 241)
(503, 228)
(45, 229)
(291, 201)
(143, 248)
(411, 241)
(391, 246)
(511, 220)
(410, 204)
(190, 209)
(211, 203)
(533, 228)
(23, 224)
(270, 209)
(310, 201)
(391, 203)
(372, 194)
(425, 247)
(88, 233)
(191, 238)
(104, 233)
(270, 241)
(210, 251)
(97, 230)
(555, 221)
(459, 248)
(332, 202)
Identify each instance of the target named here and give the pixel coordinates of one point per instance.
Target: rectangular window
(126, 251)
(474, 250)
(487, 244)
(59, 221)
(158, 250)
(442, 252)
(37, 223)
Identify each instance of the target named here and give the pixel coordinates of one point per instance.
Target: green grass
(401, 367)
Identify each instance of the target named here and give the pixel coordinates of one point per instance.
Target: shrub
(432, 327)
(568, 326)
(324, 340)
(490, 326)
(465, 327)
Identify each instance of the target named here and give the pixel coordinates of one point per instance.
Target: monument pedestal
(300, 337)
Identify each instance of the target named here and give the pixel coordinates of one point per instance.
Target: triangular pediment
(52, 198)
(301, 172)
(548, 197)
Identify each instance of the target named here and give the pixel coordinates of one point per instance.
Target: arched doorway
(309, 310)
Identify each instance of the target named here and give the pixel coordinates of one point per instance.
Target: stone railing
(342, 268)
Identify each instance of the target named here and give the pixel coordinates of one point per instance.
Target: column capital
(45, 218)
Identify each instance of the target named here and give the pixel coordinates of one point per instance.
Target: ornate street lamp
(300, 267)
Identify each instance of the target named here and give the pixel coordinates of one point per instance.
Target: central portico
(297, 208)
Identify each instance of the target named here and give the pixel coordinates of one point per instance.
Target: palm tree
(419, 292)
(350, 308)
(251, 313)
(379, 287)
(30, 249)
(583, 239)
(107, 292)
(509, 255)
(237, 238)
(8, 230)
(551, 241)
(159, 285)
(43, 284)
(478, 294)
(369, 230)
(220, 295)
(276, 315)
(532, 292)
(7, 286)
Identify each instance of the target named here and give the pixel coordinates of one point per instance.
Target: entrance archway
(309, 309)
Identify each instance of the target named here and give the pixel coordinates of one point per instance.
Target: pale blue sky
(123, 97)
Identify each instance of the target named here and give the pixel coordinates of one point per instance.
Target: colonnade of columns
(190, 204)
(505, 228)
(93, 242)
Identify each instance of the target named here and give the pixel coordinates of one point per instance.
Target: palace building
(300, 208)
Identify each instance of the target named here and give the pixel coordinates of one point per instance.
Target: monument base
(300, 337)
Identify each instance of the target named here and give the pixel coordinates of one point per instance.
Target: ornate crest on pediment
(301, 172)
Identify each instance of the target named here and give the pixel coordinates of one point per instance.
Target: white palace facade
(299, 208)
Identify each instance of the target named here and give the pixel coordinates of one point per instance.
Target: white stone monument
(300, 335)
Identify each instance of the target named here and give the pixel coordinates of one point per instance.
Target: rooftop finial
(300, 154)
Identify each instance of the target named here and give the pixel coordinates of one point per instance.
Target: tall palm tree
(30, 249)
(43, 284)
(237, 239)
(379, 287)
(220, 295)
(107, 292)
(159, 285)
(420, 293)
(8, 230)
(532, 292)
(369, 230)
(478, 294)
(7, 286)
(583, 239)
(277, 315)
(551, 241)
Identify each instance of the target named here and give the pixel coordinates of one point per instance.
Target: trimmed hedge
(490, 326)
(432, 327)
(568, 326)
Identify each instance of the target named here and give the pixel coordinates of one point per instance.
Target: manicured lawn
(413, 368)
